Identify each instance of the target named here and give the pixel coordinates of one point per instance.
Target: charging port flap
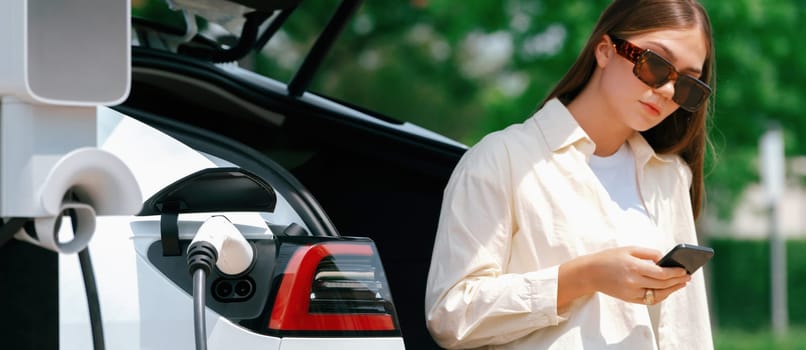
(208, 190)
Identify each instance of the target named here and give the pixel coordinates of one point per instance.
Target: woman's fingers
(645, 253)
(649, 268)
(662, 273)
(659, 294)
(665, 283)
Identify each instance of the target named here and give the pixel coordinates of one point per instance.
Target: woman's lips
(651, 108)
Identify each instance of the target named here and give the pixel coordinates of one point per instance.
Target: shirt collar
(560, 129)
(643, 151)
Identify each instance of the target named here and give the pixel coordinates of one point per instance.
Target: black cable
(9, 228)
(93, 303)
(201, 258)
(200, 327)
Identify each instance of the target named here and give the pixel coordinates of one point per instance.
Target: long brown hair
(683, 133)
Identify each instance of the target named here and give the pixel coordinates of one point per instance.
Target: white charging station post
(60, 61)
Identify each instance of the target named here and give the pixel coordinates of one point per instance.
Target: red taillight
(333, 286)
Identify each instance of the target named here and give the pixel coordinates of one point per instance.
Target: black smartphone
(688, 256)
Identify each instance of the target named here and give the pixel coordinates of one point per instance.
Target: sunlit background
(466, 68)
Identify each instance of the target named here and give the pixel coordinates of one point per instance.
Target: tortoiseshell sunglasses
(655, 71)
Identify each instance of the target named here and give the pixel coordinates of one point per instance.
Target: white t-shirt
(616, 173)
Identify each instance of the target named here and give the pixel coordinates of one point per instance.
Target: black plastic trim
(169, 229)
(211, 190)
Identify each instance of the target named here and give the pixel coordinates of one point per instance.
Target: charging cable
(217, 242)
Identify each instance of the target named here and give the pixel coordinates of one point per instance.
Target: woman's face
(634, 103)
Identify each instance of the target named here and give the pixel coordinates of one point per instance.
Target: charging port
(243, 288)
(233, 290)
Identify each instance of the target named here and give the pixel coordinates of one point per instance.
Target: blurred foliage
(467, 68)
(738, 339)
(740, 283)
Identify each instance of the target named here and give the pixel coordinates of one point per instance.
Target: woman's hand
(624, 273)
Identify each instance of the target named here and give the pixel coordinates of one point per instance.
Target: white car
(338, 207)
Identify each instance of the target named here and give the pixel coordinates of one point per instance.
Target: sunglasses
(652, 69)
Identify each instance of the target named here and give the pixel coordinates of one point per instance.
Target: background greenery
(466, 68)
(740, 294)
(740, 283)
(736, 339)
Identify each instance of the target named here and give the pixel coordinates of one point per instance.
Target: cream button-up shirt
(523, 201)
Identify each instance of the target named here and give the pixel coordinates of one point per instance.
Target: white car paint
(141, 308)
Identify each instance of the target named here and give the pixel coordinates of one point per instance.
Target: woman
(550, 229)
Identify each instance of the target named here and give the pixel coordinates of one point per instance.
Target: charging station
(60, 61)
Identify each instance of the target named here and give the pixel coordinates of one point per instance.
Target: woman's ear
(604, 51)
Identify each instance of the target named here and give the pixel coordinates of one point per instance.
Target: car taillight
(332, 286)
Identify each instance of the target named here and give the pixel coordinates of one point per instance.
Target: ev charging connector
(234, 254)
(217, 242)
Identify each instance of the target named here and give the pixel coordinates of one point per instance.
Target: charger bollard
(60, 61)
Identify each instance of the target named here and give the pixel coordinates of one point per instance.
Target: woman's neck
(599, 122)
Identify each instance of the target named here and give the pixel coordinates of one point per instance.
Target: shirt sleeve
(470, 301)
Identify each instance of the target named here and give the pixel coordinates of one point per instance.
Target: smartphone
(688, 256)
